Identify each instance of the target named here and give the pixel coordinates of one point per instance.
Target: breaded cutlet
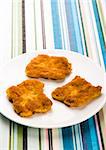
(28, 98)
(77, 93)
(49, 67)
(14, 92)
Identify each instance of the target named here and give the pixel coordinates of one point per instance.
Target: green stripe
(20, 137)
(11, 141)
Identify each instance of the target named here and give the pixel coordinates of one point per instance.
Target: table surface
(77, 25)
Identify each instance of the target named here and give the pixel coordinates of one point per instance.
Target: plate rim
(57, 125)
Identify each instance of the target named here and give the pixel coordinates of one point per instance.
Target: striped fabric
(76, 25)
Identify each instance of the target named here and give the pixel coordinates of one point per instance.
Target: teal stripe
(67, 138)
(71, 29)
(56, 24)
(99, 28)
(85, 130)
(93, 134)
(77, 28)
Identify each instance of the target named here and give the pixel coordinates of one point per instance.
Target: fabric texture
(75, 25)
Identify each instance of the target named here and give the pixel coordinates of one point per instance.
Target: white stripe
(5, 30)
(56, 139)
(102, 13)
(4, 131)
(61, 138)
(81, 30)
(78, 137)
(61, 27)
(33, 139)
(15, 133)
(38, 22)
(89, 31)
(73, 137)
(17, 27)
(44, 139)
(86, 23)
(98, 50)
(5, 56)
(30, 25)
(48, 24)
(64, 23)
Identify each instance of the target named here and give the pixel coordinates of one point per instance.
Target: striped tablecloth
(76, 25)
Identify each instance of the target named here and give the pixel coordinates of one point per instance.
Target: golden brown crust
(30, 103)
(77, 93)
(28, 98)
(14, 92)
(50, 67)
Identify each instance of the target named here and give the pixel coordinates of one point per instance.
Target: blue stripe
(87, 143)
(99, 31)
(93, 133)
(71, 30)
(56, 24)
(67, 138)
(77, 28)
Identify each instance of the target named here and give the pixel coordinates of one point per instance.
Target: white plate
(60, 115)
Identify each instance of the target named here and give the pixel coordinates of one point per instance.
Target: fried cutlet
(77, 93)
(28, 98)
(31, 103)
(14, 92)
(49, 67)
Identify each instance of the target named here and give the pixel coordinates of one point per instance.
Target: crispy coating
(28, 98)
(77, 93)
(31, 103)
(49, 67)
(14, 92)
